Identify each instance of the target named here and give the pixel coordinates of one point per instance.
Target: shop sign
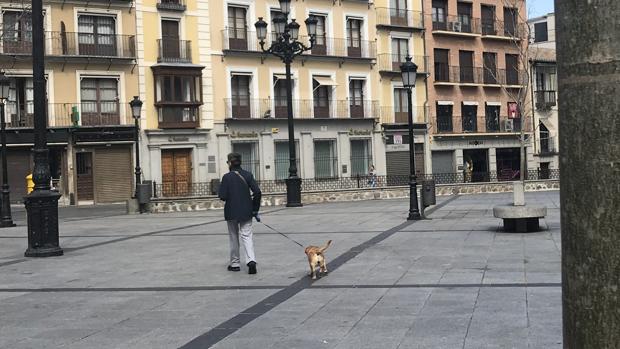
(398, 139)
(178, 139)
(476, 142)
(239, 134)
(353, 132)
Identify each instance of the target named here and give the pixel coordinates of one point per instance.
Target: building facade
(475, 88)
(544, 92)
(400, 33)
(336, 91)
(90, 59)
(176, 88)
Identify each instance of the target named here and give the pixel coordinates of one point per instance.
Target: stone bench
(520, 219)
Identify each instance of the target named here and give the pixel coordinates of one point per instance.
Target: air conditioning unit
(457, 26)
(509, 125)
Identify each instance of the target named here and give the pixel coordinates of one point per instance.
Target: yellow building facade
(90, 67)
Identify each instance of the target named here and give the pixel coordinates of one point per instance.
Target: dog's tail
(326, 246)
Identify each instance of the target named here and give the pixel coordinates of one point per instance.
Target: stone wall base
(163, 205)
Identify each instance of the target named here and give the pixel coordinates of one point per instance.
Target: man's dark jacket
(240, 205)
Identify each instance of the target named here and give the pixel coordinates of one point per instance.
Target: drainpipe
(428, 161)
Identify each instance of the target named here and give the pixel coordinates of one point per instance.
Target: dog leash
(275, 230)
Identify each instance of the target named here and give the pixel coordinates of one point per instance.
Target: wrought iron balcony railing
(243, 108)
(457, 25)
(21, 115)
(171, 5)
(389, 62)
(545, 99)
(178, 115)
(457, 124)
(395, 17)
(173, 50)
(502, 29)
(444, 73)
(398, 115)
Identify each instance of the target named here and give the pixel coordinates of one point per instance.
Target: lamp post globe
(261, 29)
(6, 220)
(285, 6)
(311, 24)
(279, 24)
(293, 29)
(409, 71)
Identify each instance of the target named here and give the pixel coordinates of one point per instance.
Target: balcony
(390, 63)
(178, 115)
(390, 115)
(498, 30)
(235, 41)
(547, 146)
(171, 5)
(71, 44)
(460, 125)
(173, 50)
(399, 19)
(21, 115)
(477, 76)
(302, 109)
(545, 100)
(458, 26)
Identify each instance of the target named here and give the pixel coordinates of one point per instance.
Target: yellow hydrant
(29, 183)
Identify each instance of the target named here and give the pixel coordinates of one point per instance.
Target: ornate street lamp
(42, 202)
(409, 72)
(136, 112)
(5, 212)
(286, 47)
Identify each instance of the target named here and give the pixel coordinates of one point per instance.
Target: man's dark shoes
(252, 267)
(231, 268)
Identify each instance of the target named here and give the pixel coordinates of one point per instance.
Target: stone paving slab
(159, 281)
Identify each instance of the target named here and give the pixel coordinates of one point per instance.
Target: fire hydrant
(29, 184)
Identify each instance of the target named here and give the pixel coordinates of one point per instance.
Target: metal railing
(503, 29)
(458, 24)
(478, 75)
(458, 124)
(21, 115)
(171, 5)
(201, 189)
(391, 62)
(173, 50)
(242, 108)
(390, 114)
(69, 44)
(178, 115)
(399, 17)
(547, 145)
(545, 99)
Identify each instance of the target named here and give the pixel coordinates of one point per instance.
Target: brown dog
(317, 259)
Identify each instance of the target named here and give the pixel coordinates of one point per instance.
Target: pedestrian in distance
(242, 198)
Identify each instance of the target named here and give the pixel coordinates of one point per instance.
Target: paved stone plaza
(160, 281)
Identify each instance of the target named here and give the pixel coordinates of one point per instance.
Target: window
(398, 12)
(512, 69)
(178, 96)
(279, 96)
(282, 159)
(544, 139)
(325, 159)
(321, 98)
(540, 32)
(490, 67)
(361, 157)
(320, 45)
(250, 160)
(444, 117)
(469, 115)
(19, 107)
(99, 97)
(442, 70)
(488, 20)
(492, 117)
(237, 28)
(356, 98)
(170, 40)
(354, 37)
(466, 62)
(17, 32)
(438, 14)
(97, 35)
(240, 95)
(511, 18)
(400, 50)
(464, 16)
(401, 106)
(546, 82)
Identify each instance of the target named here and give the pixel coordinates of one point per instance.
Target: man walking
(242, 196)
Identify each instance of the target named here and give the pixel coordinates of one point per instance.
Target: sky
(539, 7)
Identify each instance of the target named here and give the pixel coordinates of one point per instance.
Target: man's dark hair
(234, 159)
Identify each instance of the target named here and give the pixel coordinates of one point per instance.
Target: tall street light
(136, 111)
(409, 72)
(286, 47)
(42, 202)
(5, 213)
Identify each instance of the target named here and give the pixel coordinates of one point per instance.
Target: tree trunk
(588, 43)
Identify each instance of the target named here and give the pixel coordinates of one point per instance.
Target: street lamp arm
(286, 50)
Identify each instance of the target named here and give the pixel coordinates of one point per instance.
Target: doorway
(476, 165)
(508, 164)
(176, 172)
(84, 166)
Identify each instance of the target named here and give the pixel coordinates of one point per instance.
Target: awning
(469, 103)
(241, 73)
(325, 80)
(496, 104)
(445, 103)
(283, 76)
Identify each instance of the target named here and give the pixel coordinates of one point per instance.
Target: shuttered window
(361, 157)
(325, 159)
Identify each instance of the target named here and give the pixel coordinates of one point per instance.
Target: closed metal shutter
(19, 165)
(397, 164)
(113, 174)
(443, 162)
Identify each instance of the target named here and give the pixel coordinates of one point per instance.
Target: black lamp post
(5, 213)
(42, 202)
(136, 111)
(409, 72)
(286, 47)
